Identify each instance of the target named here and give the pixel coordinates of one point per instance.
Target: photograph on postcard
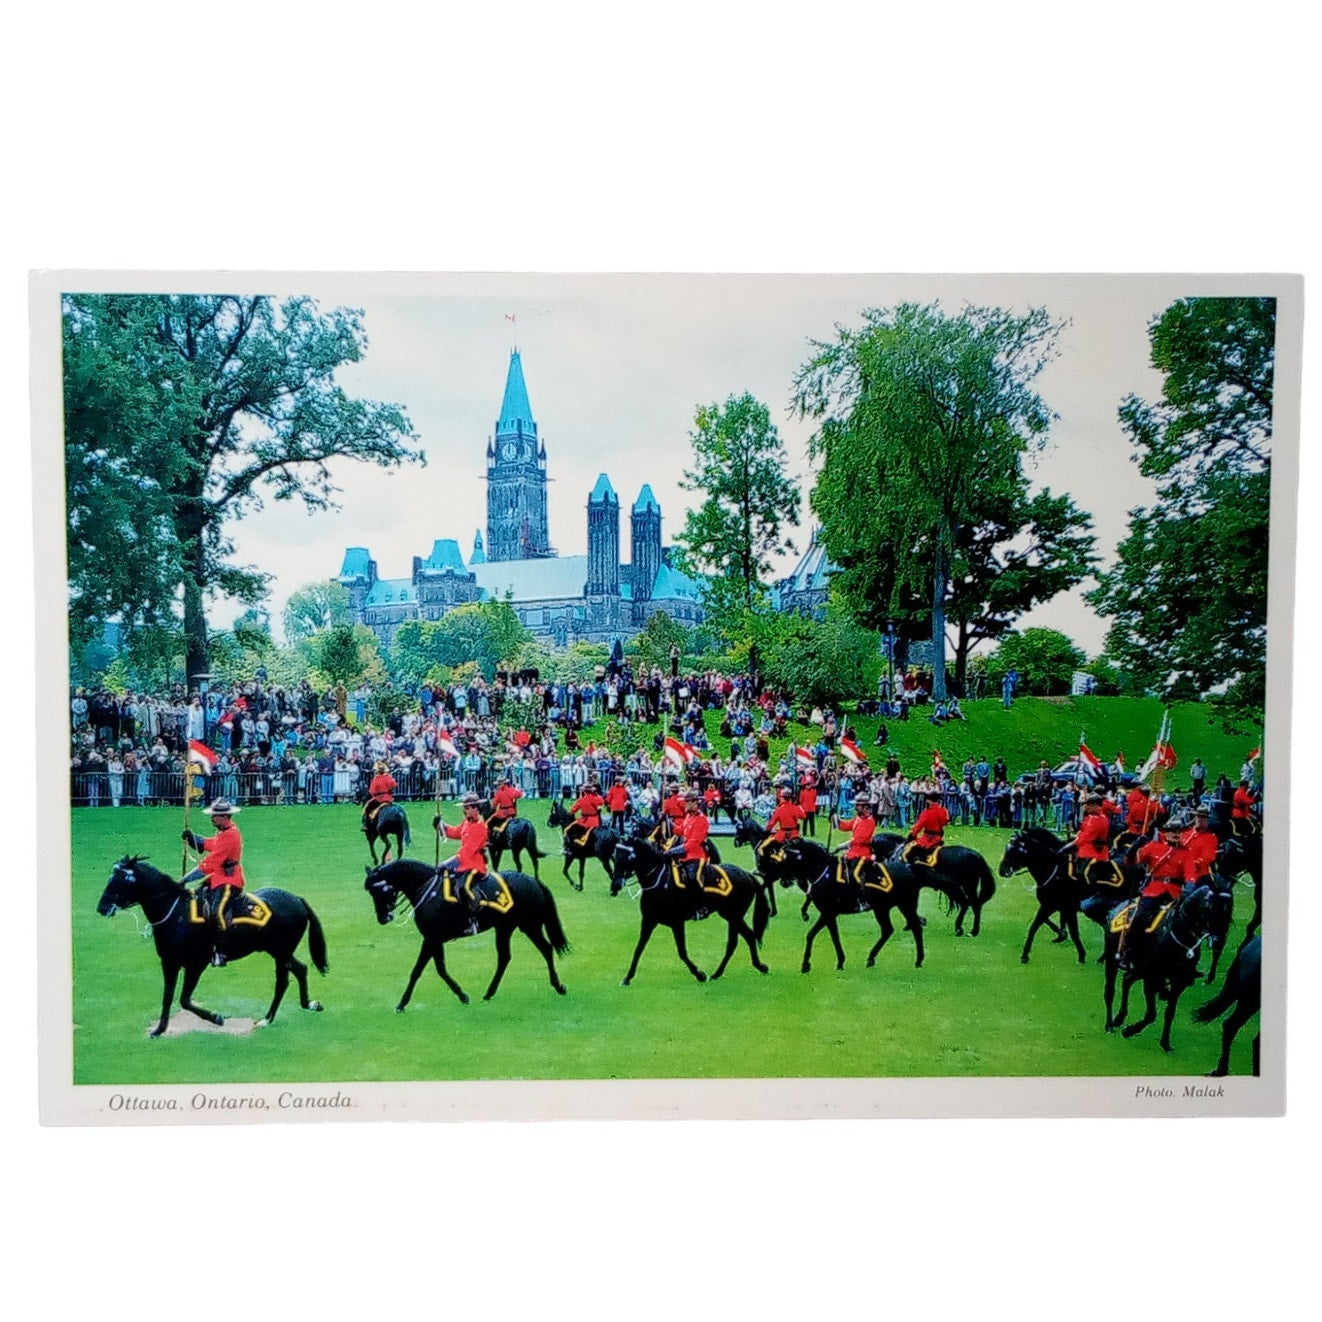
(517, 696)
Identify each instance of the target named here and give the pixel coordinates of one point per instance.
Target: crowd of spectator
(297, 746)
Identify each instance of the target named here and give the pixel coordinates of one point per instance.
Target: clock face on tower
(508, 450)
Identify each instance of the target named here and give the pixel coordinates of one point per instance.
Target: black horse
(964, 869)
(1241, 855)
(750, 832)
(391, 822)
(440, 920)
(1167, 963)
(1242, 996)
(1037, 852)
(518, 837)
(663, 904)
(886, 886)
(601, 846)
(183, 944)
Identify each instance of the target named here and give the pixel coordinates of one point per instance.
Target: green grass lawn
(972, 1010)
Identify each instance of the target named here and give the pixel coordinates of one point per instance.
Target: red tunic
(382, 788)
(861, 830)
(617, 798)
(1241, 806)
(226, 846)
(693, 832)
(472, 837)
(589, 808)
(929, 829)
(1092, 839)
(808, 799)
(673, 808)
(503, 801)
(1138, 810)
(1169, 867)
(1201, 847)
(784, 821)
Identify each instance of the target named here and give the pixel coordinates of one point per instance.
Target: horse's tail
(986, 881)
(1220, 1003)
(316, 941)
(555, 933)
(408, 836)
(761, 913)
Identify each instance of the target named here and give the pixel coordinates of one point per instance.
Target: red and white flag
(445, 746)
(1254, 756)
(937, 763)
(853, 752)
(1089, 758)
(200, 754)
(1119, 764)
(678, 753)
(804, 759)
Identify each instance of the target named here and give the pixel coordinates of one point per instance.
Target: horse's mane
(1039, 835)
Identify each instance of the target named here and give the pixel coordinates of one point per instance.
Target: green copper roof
(646, 501)
(357, 563)
(603, 491)
(515, 411)
(445, 555)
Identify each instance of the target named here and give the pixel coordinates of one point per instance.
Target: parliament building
(561, 599)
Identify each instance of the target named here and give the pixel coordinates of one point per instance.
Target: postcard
(527, 696)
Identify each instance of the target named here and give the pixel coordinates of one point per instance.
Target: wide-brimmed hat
(471, 801)
(221, 808)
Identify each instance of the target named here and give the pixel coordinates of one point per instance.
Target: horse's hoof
(805, 968)
(701, 976)
(624, 982)
(1023, 959)
(560, 989)
(218, 1019)
(1130, 1030)
(1083, 959)
(463, 998)
(156, 1032)
(762, 968)
(316, 1005)
(872, 963)
(262, 1023)
(399, 1009)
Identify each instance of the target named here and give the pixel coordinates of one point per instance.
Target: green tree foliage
(733, 536)
(923, 420)
(820, 662)
(1187, 596)
(653, 643)
(314, 607)
(1046, 660)
(181, 413)
(338, 656)
(487, 633)
(1024, 550)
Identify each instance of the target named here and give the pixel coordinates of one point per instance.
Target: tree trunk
(939, 623)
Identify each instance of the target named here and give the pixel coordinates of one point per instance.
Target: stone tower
(516, 478)
(644, 552)
(603, 541)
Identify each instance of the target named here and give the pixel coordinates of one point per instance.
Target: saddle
(491, 891)
(1123, 915)
(923, 856)
(242, 909)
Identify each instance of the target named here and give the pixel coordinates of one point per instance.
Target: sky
(615, 368)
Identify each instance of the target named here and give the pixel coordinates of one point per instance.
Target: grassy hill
(1037, 728)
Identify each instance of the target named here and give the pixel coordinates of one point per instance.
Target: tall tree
(923, 421)
(314, 607)
(1046, 660)
(749, 501)
(1187, 595)
(181, 413)
(1016, 556)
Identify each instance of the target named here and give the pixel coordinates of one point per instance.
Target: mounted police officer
(862, 826)
(380, 792)
(220, 867)
(471, 859)
(927, 833)
(1169, 866)
(692, 848)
